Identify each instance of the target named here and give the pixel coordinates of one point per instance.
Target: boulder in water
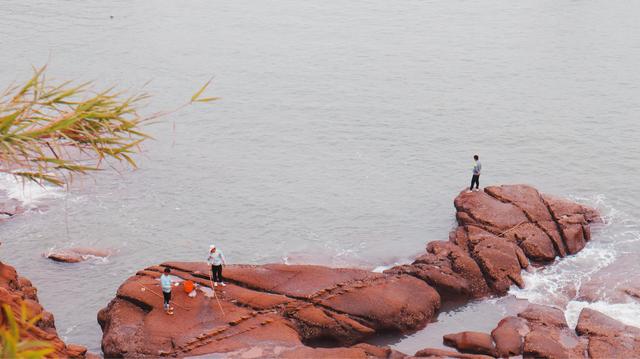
(500, 231)
(76, 254)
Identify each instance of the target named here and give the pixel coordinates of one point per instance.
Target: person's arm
(224, 262)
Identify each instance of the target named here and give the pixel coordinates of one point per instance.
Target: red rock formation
(501, 229)
(549, 335)
(266, 305)
(542, 332)
(608, 338)
(277, 310)
(16, 290)
(471, 342)
(508, 336)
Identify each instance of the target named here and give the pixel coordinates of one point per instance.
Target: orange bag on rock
(188, 286)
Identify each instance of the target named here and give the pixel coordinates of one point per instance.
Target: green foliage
(50, 132)
(12, 345)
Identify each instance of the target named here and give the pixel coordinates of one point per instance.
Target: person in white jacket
(216, 260)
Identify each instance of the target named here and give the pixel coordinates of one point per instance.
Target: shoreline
(461, 278)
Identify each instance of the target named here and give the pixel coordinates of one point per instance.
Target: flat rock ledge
(276, 307)
(277, 310)
(15, 290)
(542, 332)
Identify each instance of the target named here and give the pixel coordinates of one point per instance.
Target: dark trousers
(475, 179)
(167, 298)
(217, 273)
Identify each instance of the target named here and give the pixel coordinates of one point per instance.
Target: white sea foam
(560, 283)
(30, 194)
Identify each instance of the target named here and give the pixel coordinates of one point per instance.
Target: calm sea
(344, 131)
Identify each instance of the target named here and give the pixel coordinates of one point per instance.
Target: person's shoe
(169, 312)
(222, 284)
(215, 284)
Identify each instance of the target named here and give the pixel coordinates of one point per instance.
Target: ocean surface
(343, 133)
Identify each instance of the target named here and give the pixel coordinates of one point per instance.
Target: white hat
(212, 246)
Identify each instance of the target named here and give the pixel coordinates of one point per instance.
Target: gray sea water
(344, 131)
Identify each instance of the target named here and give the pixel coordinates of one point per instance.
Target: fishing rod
(158, 295)
(214, 294)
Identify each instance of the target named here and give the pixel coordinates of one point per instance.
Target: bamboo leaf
(202, 89)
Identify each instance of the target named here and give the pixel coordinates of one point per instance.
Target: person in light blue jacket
(216, 261)
(165, 282)
(475, 179)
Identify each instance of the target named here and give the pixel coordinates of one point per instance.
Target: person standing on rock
(165, 282)
(216, 260)
(475, 179)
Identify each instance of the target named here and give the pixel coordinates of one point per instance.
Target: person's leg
(167, 297)
(478, 182)
(473, 179)
(218, 277)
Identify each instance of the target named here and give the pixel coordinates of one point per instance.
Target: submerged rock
(76, 254)
(15, 291)
(267, 305)
(9, 207)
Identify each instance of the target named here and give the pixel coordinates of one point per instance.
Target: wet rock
(550, 336)
(9, 207)
(471, 342)
(441, 353)
(509, 336)
(608, 338)
(16, 291)
(634, 292)
(76, 254)
(263, 305)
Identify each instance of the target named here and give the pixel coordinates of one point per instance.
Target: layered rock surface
(267, 306)
(500, 231)
(279, 310)
(16, 291)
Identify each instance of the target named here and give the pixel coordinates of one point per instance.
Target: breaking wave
(562, 284)
(30, 194)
